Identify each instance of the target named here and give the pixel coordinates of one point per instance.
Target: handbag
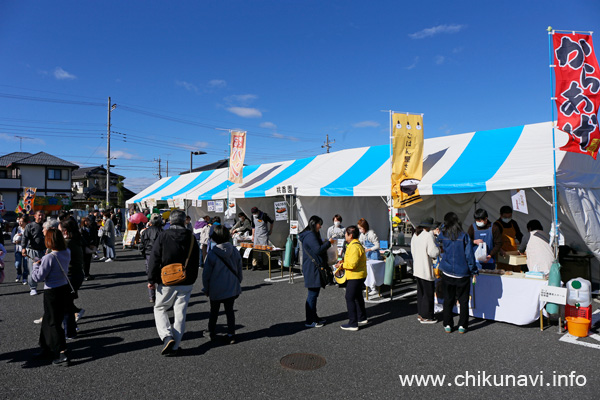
(340, 274)
(174, 274)
(325, 272)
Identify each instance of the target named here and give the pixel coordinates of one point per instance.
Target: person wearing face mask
(368, 238)
(511, 233)
(482, 231)
(336, 231)
(260, 233)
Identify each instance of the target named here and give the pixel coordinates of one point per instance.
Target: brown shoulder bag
(174, 274)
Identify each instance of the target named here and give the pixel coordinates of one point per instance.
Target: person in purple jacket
(52, 270)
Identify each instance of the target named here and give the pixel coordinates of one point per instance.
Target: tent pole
(390, 199)
(554, 188)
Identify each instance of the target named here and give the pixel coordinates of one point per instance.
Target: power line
(49, 100)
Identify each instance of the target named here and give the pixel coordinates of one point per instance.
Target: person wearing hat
(260, 232)
(424, 249)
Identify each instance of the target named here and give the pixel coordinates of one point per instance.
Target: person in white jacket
(424, 250)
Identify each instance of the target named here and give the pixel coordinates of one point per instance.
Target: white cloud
(121, 154)
(61, 74)
(241, 99)
(366, 124)
(428, 32)
(194, 146)
(414, 64)
(217, 83)
(190, 87)
(439, 60)
(268, 125)
(245, 112)
(281, 136)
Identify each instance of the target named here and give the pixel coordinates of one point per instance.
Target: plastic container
(579, 292)
(578, 326)
(581, 312)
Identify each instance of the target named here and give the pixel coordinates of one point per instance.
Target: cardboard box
(512, 258)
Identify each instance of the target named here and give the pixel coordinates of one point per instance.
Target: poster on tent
(293, 227)
(407, 158)
(236, 156)
(180, 203)
(219, 206)
(171, 203)
(281, 212)
(210, 206)
(151, 202)
(231, 209)
(519, 201)
(577, 91)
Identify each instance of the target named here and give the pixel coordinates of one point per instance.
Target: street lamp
(195, 153)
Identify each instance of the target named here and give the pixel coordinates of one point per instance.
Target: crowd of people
(58, 253)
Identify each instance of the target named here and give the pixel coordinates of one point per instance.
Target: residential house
(50, 175)
(89, 187)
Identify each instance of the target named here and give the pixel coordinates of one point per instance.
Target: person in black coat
(173, 246)
(313, 257)
(148, 238)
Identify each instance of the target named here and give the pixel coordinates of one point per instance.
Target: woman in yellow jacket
(355, 266)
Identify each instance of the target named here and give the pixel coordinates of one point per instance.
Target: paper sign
(519, 201)
(286, 189)
(210, 205)
(247, 253)
(293, 227)
(281, 213)
(552, 294)
(219, 206)
(171, 203)
(151, 202)
(180, 203)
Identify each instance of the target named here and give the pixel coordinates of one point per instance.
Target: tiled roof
(84, 172)
(7, 159)
(41, 158)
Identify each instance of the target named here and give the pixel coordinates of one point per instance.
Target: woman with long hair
(88, 247)
(313, 258)
(52, 270)
(424, 250)
(458, 265)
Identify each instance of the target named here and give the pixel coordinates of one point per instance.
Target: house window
(55, 175)
(3, 174)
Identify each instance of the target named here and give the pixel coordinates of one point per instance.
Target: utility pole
(327, 144)
(111, 107)
(167, 167)
(159, 169)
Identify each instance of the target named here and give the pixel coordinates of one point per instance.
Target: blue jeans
(311, 305)
(21, 265)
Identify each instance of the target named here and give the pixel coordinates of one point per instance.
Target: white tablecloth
(375, 273)
(510, 299)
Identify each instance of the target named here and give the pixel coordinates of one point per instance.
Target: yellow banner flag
(407, 159)
(236, 156)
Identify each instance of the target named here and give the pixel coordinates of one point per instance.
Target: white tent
(461, 172)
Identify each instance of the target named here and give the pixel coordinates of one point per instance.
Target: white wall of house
(33, 176)
(10, 200)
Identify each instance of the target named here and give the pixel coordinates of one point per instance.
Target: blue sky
(287, 72)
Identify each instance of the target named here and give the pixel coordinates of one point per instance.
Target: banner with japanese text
(236, 156)
(28, 199)
(407, 159)
(577, 91)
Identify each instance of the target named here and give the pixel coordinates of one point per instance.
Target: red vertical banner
(236, 156)
(577, 91)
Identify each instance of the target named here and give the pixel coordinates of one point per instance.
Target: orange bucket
(578, 326)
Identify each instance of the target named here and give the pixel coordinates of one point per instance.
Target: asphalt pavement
(117, 352)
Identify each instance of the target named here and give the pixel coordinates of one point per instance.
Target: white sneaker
(38, 321)
(313, 325)
(366, 321)
(33, 292)
(102, 259)
(109, 260)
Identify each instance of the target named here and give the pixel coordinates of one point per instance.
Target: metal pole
(191, 154)
(391, 201)
(554, 188)
(108, 158)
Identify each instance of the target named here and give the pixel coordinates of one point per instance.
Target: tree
(120, 193)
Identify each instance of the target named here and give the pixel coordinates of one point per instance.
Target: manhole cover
(303, 361)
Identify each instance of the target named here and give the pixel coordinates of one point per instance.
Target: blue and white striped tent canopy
(503, 159)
